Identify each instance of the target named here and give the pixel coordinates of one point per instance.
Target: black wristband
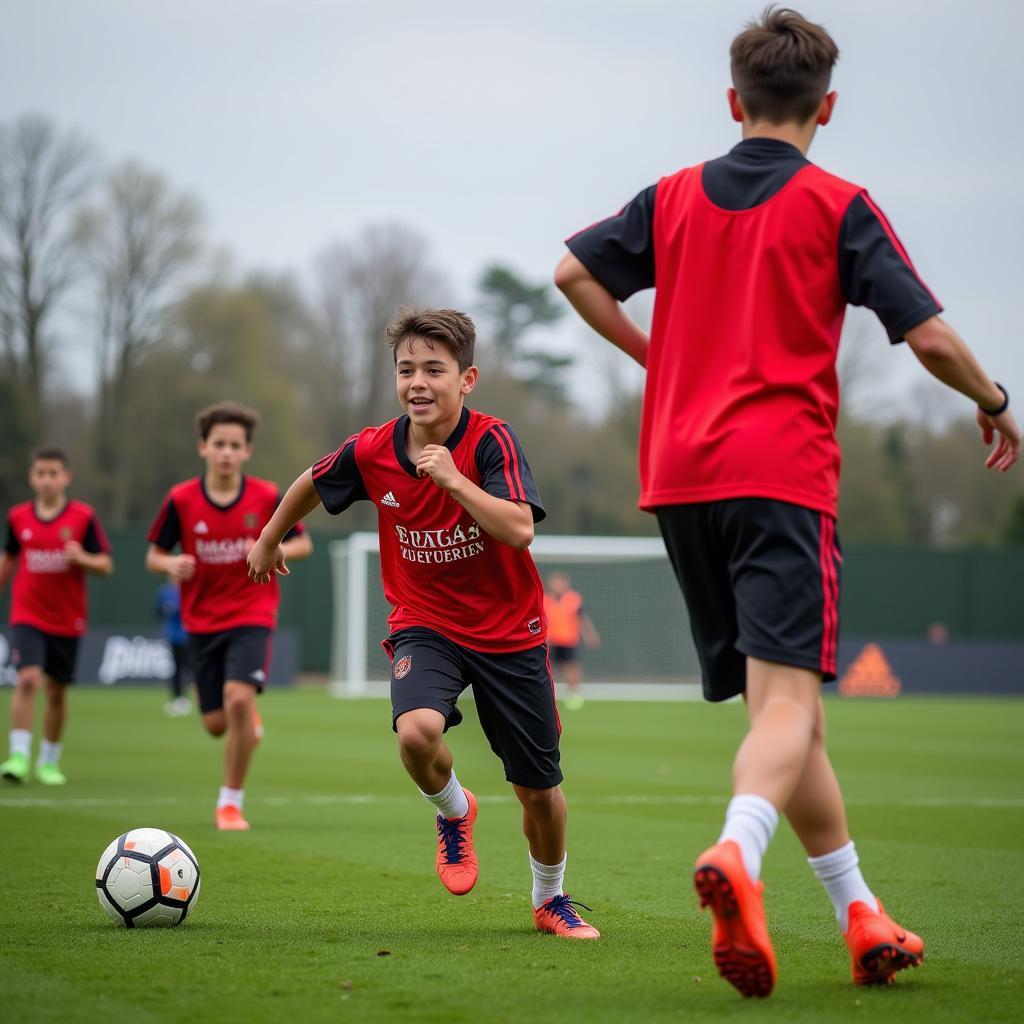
(1003, 407)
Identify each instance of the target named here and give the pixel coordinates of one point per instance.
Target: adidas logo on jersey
(390, 500)
(201, 527)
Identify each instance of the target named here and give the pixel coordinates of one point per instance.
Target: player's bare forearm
(100, 564)
(7, 566)
(510, 522)
(600, 309)
(298, 547)
(944, 355)
(299, 500)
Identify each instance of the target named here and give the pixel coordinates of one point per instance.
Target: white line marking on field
(625, 799)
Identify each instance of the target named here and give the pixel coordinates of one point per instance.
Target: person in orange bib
(568, 623)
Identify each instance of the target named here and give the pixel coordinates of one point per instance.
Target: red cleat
(559, 917)
(740, 943)
(229, 819)
(878, 946)
(456, 860)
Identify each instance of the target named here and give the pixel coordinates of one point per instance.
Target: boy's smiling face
(430, 385)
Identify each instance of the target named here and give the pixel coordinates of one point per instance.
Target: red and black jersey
(440, 570)
(754, 257)
(48, 592)
(220, 595)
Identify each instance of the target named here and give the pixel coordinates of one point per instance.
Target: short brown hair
(51, 453)
(455, 330)
(227, 412)
(782, 65)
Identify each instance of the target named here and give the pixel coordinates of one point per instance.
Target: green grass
(329, 909)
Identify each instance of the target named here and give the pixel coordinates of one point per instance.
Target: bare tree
(43, 175)
(142, 240)
(361, 283)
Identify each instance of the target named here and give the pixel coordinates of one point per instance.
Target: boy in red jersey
(568, 624)
(456, 505)
(215, 518)
(754, 257)
(52, 542)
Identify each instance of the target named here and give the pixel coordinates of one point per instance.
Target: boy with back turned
(754, 257)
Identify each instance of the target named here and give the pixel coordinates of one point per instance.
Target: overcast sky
(497, 129)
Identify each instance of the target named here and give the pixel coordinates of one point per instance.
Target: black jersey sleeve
(619, 251)
(875, 270)
(166, 529)
(337, 479)
(504, 471)
(11, 545)
(95, 540)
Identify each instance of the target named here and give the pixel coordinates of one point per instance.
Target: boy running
(456, 506)
(215, 519)
(52, 542)
(754, 256)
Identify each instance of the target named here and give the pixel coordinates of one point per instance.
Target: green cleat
(49, 774)
(15, 768)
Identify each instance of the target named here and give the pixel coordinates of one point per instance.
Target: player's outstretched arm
(267, 556)
(944, 355)
(600, 308)
(510, 522)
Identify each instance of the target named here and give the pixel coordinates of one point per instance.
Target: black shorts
(55, 655)
(241, 654)
(761, 579)
(514, 693)
(561, 654)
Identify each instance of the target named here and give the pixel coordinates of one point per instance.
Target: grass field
(329, 910)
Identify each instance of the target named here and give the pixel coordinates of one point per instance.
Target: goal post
(628, 589)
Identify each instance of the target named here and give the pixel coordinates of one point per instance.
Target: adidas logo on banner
(201, 527)
(390, 500)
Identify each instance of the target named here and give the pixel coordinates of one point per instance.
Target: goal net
(628, 590)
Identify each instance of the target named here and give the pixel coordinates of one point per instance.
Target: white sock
(21, 741)
(547, 880)
(232, 797)
(49, 753)
(750, 821)
(839, 872)
(452, 801)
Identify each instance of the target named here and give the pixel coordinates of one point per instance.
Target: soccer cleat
(878, 946)
(15, 768)
(559, 917)
(49, 774)
(178, 707)
(456, 859)
(257, 724)
(229, 819)
(740, 943)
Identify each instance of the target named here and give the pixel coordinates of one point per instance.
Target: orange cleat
(558, 917)
(456, 860)
(878, 946)
(257, 724)
(740, 943)
(229, 819)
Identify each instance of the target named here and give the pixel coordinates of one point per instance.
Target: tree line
(108, 272)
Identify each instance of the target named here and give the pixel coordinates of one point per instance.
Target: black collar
(230, 504)
(758, 146)
(401, 428)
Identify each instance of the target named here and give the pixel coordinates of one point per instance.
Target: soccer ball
(147, 877)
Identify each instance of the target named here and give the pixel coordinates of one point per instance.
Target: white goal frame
(351, 580)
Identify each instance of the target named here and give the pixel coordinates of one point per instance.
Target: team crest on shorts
(402, 667)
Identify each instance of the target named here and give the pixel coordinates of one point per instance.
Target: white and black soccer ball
(147, 877)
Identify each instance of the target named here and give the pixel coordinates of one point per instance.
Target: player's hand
(264, 561)
(182, 567)
(436, 462)
(1007, 450)
(74, 552)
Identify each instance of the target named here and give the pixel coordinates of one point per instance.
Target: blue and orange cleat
(559, 917)
(742, 949)
(456, 859)
(878, 946)
(230, 819)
